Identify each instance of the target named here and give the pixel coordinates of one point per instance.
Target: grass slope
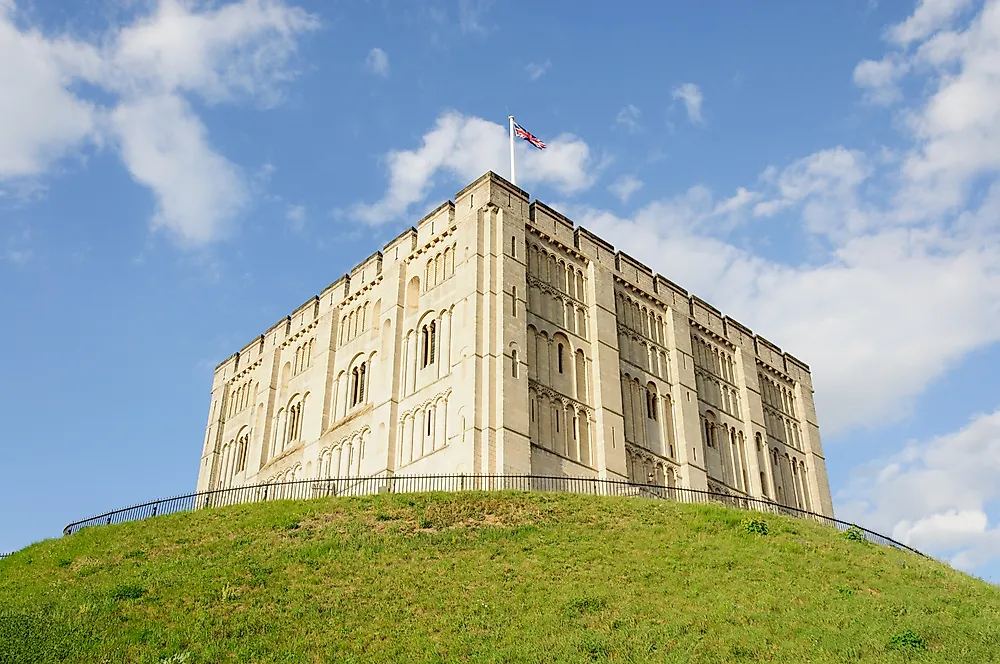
(484, 578)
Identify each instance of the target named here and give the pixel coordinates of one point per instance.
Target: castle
(498, 338)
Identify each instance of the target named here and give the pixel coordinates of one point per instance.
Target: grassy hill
(479, 577)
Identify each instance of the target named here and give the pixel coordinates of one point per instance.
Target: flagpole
(513, 176)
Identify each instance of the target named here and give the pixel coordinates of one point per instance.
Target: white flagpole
(513, 177)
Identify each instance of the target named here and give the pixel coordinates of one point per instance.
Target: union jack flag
(521, 132)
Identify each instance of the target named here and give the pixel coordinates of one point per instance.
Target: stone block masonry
(496, 337)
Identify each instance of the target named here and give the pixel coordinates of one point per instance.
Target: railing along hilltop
(388, 483)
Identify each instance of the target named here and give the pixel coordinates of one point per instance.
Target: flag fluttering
(517, 131)
(521, 132)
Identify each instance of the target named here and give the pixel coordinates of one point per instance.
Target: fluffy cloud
(625, 186)
(690, 94)
(165, 148)
(465, 147)
(880, 78)
(377, 62)
(956, 130)
(239, 51)
(827, 182)
(928, 17)
(40, 120)
(936, 495)
(241, 48)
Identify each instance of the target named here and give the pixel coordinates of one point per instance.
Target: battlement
(550, 224)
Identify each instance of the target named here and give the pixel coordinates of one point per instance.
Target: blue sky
(175, 177)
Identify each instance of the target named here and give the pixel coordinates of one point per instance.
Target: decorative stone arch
(376, 319)
(544, 421)
(413, 295)
(581, 375)
(515, 359)
(531, 340)
(711, 426)
(357, 381)
(561, 358)
(286, 374)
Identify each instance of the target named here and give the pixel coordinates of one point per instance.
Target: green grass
(485, 578)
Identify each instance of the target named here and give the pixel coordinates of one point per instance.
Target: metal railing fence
(386, 482)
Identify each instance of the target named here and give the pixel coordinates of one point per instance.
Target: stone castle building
(498, 338)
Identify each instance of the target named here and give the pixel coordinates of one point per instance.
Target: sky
(177, 176)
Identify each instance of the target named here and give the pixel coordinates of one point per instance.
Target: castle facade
(498, 338)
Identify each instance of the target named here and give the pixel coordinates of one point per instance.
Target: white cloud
(880, 78)
(465, 147)
(164, 145)
(690, 94)
(859, 316)
(625, 186)
(928, 17)
(377, 62)
(737, 202)
(237, 51)
(241, 48)
(296, 215)
(628, 117)
(40, 120)
(829, 179)
(958, 128)
(536, 71)
(935, 495)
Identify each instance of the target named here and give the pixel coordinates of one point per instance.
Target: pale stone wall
(498, 338)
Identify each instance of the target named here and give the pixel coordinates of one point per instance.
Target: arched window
(354, 386)
(559, 359)
(513, 363)
(513, 301)
(433, 339)
(424, 340)
(358, 384)
(427, 342)
(513, 246)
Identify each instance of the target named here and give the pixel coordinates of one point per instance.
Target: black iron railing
(388, 483)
